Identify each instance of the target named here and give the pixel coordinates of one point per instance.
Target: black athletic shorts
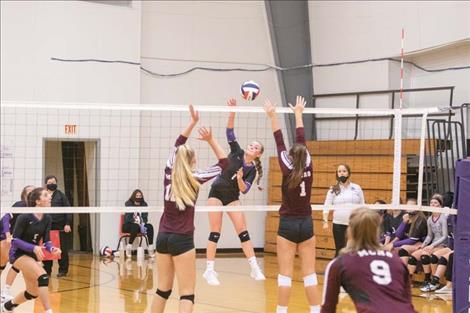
(19, 253)
(295, 228)
(225, 195)
(174, 244)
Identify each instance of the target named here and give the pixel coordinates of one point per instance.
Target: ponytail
(298, 153)
(184, 187)
(259, 172)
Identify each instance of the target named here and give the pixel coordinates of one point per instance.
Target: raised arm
(194, 119)
(285, 162)
(204, 176)
(231, 139)
(231, 118)
(181, 140)
(206, 135)
(270, 110)
(299, 123)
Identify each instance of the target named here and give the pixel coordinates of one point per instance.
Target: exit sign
(70, 129)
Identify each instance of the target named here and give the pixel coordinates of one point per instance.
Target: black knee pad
(402, 252)
(2, 267)
(435, 280)
(214, 237)
(412, 260)
(188, 297)
(442, 261)
(425, 259)
(15, 269)
(244, 236)
(164, 294)
(43, 280)
(29, 296)
(434, 259)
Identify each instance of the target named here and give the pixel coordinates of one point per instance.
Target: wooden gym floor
(97, 285)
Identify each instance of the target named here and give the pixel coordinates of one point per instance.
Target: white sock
(253, 263)
(314, 309)
(281, 309)
(150, 247)
(210, 265)
(129, 246)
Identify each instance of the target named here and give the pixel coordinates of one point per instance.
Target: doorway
(75, 164)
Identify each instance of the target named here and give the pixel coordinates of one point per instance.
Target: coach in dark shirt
(61, 222)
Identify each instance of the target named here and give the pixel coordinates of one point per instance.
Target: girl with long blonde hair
(176, 254)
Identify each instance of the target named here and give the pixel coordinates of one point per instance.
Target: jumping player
(238, 177)
(295, 233)
(175, 241)
(25, 251)
(376, 280)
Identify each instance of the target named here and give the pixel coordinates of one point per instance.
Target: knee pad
(214, 237)
(15, 269)
(244, 236)
(284, 281)
(188, 297)
(43, 280)
(164, 294)
(311, 280)
(412, 260)
(434, 259)
(29, 296)
(442, 261)
(2, 267)
(425, 259)
(402, 252)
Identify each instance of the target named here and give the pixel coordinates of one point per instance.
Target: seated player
(374, 278)
(435, 240)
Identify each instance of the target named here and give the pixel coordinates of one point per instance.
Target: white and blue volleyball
(250, 90)
(106, 251)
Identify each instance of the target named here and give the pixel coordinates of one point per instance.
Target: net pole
(421, 159)
(398, 126)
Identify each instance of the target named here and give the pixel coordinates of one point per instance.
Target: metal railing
(391, 92)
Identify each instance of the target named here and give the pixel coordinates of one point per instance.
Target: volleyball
(250, 90)
(106, 251)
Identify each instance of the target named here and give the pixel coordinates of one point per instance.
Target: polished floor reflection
(96, 285)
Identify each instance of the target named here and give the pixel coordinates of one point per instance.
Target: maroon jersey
(295, 202)
(377, 281)
(178, 221)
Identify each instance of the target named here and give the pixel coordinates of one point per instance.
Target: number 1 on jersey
(167, 192)
(303, 193)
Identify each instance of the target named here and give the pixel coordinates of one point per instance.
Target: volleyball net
(100, 153)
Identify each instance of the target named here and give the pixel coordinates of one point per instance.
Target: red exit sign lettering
(70, 129)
